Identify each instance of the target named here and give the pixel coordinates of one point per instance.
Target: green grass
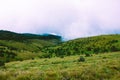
(97, 67)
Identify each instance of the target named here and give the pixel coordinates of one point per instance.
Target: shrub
(2, 63)
(81, 59)
(87, 54)
(104, 57)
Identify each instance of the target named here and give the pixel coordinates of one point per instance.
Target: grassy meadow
(47, 57)
(104, 66)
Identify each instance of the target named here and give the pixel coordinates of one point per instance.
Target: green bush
(81, 59)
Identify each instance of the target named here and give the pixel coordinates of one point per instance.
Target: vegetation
(46, 57)
(88, 46)
(96, 67)
(15, 46)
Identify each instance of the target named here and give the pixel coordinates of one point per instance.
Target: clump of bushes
(81, 59)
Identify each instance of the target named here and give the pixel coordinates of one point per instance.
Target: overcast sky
(69, 18)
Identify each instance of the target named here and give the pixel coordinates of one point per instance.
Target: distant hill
(89, 45)
(24, 41)
(15, 44)
(8, 35)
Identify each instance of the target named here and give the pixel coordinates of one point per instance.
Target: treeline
(90, 45)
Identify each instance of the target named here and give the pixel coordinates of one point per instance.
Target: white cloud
(69, 18)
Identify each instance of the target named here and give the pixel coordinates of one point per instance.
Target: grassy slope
(97, 67)
(28, 42)
(16, 46)
(22, 50)
(96, 44)
(28, 45)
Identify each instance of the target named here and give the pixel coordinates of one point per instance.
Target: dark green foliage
(87, 54)
(2, 63)
(81, 59)
(6, 55)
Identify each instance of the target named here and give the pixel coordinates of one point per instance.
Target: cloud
(69, 18)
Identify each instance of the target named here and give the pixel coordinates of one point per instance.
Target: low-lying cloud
(69, 18)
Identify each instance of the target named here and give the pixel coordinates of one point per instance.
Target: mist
(68, 18)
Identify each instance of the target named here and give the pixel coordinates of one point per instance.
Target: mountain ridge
(9, 35)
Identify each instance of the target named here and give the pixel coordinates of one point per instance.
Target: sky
(68, 18)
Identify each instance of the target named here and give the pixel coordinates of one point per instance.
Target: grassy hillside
(16, 46)
(46, 57)
(89, 45)
(17, 41)
(97, 67)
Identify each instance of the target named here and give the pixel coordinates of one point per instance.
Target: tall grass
(97, 67)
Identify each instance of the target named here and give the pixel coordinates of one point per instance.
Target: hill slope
(30, 42)
(89, 45)
(25, 50)
(14, 44)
